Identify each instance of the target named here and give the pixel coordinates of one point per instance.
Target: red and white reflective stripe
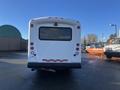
(54, 60)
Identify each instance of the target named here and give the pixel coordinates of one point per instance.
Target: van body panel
(51, 50)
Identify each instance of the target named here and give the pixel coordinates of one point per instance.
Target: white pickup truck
(113, 50)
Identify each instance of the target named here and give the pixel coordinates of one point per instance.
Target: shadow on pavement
(113, 60)
(13, 55)
(60, 80)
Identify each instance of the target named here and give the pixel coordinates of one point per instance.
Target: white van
(54, 43)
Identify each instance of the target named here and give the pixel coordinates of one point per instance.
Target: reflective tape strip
(54, 60)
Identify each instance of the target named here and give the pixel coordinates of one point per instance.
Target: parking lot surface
(96, 73)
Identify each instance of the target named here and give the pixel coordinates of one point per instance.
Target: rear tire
(109, 57)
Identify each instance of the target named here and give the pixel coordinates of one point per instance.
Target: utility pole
(116, 31)
(102, 39)
(85, 42)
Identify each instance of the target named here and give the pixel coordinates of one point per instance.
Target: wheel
(109, 57)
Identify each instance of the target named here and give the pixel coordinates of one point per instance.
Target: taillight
(77, 44)
(77, 49)
(31, 48)
(31, 43)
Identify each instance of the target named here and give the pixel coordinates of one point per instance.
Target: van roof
(54, 19)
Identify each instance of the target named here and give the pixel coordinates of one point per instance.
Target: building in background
(11, 39)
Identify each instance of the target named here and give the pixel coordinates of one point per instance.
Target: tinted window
(55, 33)
(116, 41)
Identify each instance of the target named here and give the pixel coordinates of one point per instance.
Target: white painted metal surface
(48, 51)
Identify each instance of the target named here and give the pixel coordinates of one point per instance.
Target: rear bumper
(112, 53)
(53, 65)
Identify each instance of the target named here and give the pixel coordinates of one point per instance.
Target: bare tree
(111, 37)
(91, 38)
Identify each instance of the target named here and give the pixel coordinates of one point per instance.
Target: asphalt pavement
(96, 73)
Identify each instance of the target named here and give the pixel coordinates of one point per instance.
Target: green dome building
(10, 38)
(9, 31)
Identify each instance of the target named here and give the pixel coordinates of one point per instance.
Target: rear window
(55, 33)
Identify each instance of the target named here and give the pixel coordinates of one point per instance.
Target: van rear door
(55, 44)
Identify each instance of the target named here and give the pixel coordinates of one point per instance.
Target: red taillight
(31, 48)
